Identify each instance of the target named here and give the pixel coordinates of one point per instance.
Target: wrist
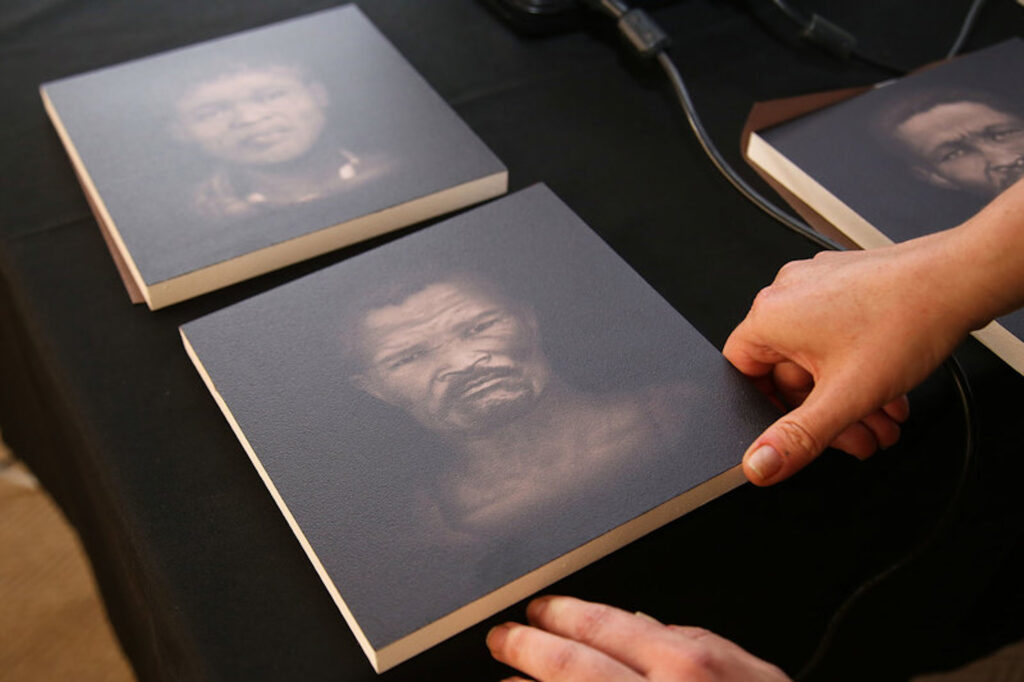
(989, 250)
(945, 287)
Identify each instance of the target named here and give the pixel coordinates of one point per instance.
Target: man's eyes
(404, 359)
(482, 326)
(951, 154)
(205, 113)
(1004, 133)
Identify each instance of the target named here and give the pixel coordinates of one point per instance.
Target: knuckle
(798, 441)
(592, 622)
(562, 660)
(691, 631)
(696, 664)
(513, 645)
(798, 269)
(786, 269)
(762, 299)
(764, 293)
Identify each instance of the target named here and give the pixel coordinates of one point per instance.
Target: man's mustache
(460, 384)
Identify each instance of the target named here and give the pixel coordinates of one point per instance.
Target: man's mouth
(488, 394)
(262, 139)
(1009, 174)
(481, 386)
(478, 383)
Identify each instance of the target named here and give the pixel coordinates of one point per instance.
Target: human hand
(572, 640)
(841, 338)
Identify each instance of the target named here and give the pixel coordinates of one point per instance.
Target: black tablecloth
(201, 575)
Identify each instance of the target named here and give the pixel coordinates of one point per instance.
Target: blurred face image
(254, 117)
(966, 145)
(455, 358)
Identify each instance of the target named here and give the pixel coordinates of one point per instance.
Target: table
(200, 573)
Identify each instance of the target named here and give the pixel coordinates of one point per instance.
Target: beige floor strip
(52, 625)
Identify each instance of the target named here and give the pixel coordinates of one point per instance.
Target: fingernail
(497, 635)
(765, 462)
(537, 608)
(644, 616)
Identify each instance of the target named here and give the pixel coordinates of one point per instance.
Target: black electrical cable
(652, 41)
(965, 29)
(963, 388)
(844, 44)
(833, 38)
(683, 95)
(951, 365)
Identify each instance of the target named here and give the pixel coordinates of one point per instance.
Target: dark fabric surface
(201, 574)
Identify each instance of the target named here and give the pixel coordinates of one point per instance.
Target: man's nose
(247, 112)
(457, 359)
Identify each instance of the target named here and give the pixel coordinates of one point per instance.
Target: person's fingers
(793, 377)
(884, 428)
(693, 632)
(857, 440)
(573, 640)
(863, 438)
(792, 382)
(706, 637)
(801, 435)
(899, 409)
(767, 386)
(756, 362)
(724, 659)
(546, 656)
(635, 640)
(747, 355)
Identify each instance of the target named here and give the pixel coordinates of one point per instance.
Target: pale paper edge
(304, 247)
(254, 458)
(543, 576)
(275, 256)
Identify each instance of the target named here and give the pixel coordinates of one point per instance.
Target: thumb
(798, 437)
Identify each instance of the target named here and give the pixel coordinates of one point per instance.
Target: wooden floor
(53, 627)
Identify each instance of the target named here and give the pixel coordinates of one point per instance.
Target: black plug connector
(642, 33)
(639, 29)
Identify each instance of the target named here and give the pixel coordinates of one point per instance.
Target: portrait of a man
(960, 140)
(266, 131)
(455, 409)
(467, 363)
